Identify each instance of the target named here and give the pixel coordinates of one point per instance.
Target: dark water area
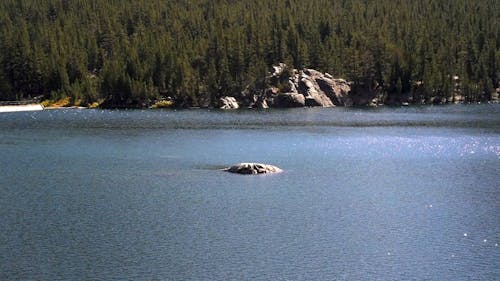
(367, 194)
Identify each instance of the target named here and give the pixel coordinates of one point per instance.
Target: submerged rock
(253, 169)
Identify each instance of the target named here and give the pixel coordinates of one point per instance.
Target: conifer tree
(195, 51)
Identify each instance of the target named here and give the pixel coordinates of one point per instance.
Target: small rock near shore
(228, 103)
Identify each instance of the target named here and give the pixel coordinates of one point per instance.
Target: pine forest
(133, 52)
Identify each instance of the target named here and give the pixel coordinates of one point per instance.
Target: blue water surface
(367, 194)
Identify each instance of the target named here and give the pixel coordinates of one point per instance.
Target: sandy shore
(65, 107)
(23, 107)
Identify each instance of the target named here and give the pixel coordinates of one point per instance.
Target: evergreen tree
(195, 51)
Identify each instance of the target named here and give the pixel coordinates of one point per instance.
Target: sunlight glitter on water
(139, 193)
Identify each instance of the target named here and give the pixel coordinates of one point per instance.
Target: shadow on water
(453, 116)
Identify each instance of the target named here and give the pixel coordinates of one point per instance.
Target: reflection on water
(377, 194)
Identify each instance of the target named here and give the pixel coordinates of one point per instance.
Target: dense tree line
(131, 51)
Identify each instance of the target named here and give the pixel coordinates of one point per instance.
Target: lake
(366, 194)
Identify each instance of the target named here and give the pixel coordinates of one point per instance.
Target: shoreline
(21, 107)
(64, 107)
(40, 107)
(282, 108)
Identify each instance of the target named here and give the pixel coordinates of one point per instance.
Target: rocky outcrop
(297, 88)
(288, 87)
(253, 169)
(309, 88)
(289, 100)
(228, 103)
(336, 89)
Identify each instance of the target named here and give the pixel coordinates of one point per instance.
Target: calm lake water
(367, 194)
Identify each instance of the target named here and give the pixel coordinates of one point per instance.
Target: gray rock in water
(253, 169)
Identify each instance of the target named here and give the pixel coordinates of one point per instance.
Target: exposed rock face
(309, 88)
(253, 169)
(288, 87)
(289, 100)
(294, 88)
(336, 89)
(228, 103)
